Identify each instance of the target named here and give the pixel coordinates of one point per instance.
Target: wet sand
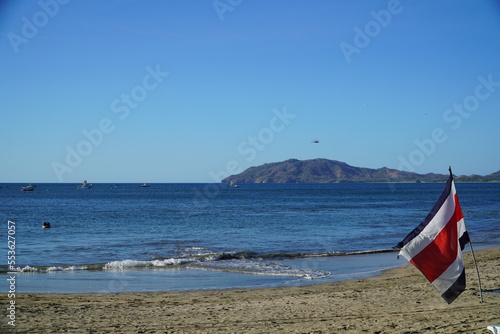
(398, 301)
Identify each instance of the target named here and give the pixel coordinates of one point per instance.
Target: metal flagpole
(477, 272)
(473, 257)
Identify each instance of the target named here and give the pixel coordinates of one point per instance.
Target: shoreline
(286, 272)
(218, 275)
(399, 300)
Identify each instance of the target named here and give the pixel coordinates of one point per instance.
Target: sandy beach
(398, 301)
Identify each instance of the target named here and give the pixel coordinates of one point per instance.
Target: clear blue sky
(187, 91)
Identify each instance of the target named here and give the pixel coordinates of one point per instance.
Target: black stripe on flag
(464, 240)
(455, 290)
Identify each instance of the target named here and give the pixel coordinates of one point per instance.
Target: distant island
(332, 171)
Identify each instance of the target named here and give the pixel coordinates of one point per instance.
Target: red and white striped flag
(435, 246)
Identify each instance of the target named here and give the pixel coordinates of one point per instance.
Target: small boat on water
(233, 185)
(144, 185)
(84, 185)
(28, 187)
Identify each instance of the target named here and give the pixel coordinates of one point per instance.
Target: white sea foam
(30, 269)
(195, 251)
(166, 262)
(27, 269)
(70, 268)
(76, 268)
(261, 268)
(54, 269)
(127, 264)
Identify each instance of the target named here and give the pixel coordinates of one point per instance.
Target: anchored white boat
(233, 185)
(84, 185)
(28, 187)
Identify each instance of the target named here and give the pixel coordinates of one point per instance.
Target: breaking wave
(204, 259)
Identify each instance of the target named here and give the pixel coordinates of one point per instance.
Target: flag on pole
(435, 246)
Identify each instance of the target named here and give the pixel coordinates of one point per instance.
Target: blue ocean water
(220, 236)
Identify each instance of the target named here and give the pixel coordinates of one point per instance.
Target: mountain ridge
(323, 170)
